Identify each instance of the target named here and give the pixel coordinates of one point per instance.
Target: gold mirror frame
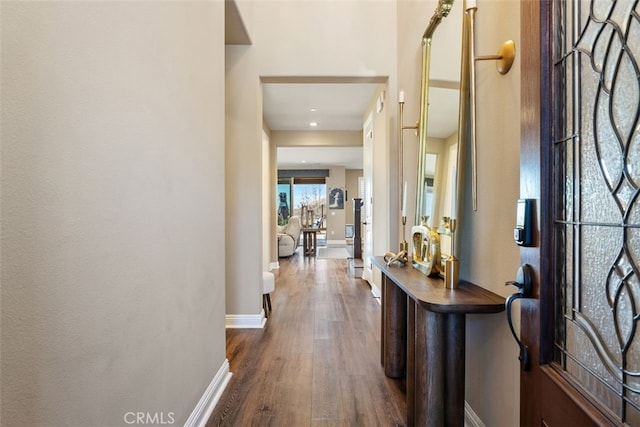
(425, 236)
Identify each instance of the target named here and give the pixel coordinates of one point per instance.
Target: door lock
(523, 282)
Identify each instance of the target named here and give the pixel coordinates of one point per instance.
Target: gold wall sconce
(504, 61)
(504, 58)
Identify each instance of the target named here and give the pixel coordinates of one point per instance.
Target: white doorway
(367, 206)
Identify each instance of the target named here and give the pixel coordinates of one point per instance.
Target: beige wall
(335, 217)
(322, 39)
(113, 253)
(317, 138)
(489, 255)
(492, 256)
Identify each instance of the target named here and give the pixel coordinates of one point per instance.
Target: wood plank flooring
(317, 361)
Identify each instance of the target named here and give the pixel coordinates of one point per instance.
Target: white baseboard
(201, 413)
(336, 242)
(375, 291)
(274, 266)
(246, 321)
(471, 419)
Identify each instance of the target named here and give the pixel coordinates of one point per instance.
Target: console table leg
(432, 414)
(427, 408)
(455, 370)
(395, 330)
(383, 316)
(411, 361)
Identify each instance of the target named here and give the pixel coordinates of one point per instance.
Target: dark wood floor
(317, 361)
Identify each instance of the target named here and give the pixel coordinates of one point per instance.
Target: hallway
(317, 361)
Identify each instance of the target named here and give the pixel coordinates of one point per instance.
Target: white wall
(268, 217)
(311, 38)
(273, 203)
(385, 184)
(489, 255)
(113, 261)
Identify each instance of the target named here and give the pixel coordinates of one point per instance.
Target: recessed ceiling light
(313, 124)
(313, 109)
(303, 161)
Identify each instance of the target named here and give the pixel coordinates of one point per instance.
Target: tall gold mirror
(440, 160)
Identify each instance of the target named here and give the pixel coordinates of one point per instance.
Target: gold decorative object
(452, 264)
(426, 245)
(401, 257)
(404, 245)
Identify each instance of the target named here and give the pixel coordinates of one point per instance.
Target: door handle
(523, 282)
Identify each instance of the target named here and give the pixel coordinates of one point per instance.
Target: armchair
(288, 237)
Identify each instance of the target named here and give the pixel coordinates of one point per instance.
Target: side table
(309, 241)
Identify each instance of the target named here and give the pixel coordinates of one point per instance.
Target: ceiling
(333, 106)
(340, 106)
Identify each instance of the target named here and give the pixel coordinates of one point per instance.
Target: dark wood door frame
(532, 31)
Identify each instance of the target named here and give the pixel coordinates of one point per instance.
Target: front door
(580, 162)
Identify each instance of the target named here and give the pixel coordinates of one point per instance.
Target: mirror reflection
(437, 196)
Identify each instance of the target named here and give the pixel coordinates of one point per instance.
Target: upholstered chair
(288, 237)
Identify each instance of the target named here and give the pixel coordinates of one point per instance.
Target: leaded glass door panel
(583, 323)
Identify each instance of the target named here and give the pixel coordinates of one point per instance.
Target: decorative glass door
(596, 145)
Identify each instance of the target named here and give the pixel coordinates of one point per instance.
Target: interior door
(367, 201)
(580, 163)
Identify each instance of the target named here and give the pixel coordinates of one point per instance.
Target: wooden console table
(423, 337)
